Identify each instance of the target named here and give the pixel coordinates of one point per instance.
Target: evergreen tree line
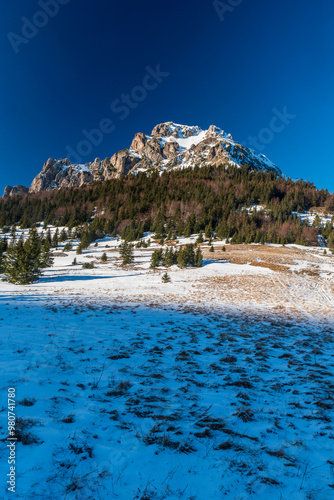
(181, 202)
(184, 257)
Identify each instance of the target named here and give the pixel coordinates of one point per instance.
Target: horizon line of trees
(180, 203)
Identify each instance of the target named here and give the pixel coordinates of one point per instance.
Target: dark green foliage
(46, 258)
(126, 252)
(55, 239)
(2, 261)
(180, 202)
(63, 235)
(198, 261)
(68, 247)
(88, 265)
(166, 278)
(200, 237)
(104, 257)
(3, 248)
(24, 260)
(211, 249)
(132, 232)
(208, 231)
(74, 262)
(331, 241)
(156, 258)
(170, 257)
(186, 256)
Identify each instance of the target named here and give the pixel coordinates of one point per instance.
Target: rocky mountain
(169, 146)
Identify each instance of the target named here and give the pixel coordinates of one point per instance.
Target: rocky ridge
(169, 146)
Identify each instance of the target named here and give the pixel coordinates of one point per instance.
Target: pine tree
(331, 241)
(21, 265)
(166, 278)
(24, 260)
(208, 231)
(55, 239)
(11, 267)
(63, 235)
(33, 245)
(170, 257)
(126, 252)
(200, 237)
(48, 236)
(198, 258)
(2, 262)
(104, 257)
(46, 258)
(156, 258)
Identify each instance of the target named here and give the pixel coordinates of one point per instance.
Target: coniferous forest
(213, 200)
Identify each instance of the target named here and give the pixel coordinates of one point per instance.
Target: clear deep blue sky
(230, 70)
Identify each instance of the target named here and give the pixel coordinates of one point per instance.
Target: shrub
(88, 265)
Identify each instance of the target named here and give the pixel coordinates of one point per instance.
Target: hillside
(239, 203)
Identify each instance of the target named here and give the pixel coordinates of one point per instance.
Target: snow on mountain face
(169, 146)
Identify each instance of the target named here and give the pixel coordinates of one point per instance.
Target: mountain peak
(170, 146)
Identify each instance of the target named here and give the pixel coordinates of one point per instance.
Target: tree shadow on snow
(60, 279)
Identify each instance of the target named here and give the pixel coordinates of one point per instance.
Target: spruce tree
(11, 266)
(166, 278)
(156, 258)
(126, 252)
(331, 241)
(55, 239)
(2, 262)
(21, 265)
(24, 260)
(200, 237)
(198, 258)
(46, 258)
(170, 257)
(33, 245)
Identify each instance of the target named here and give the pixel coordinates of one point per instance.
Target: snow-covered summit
(181, 146)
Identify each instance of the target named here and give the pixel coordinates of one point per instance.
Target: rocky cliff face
(169, 146)
(12, 191)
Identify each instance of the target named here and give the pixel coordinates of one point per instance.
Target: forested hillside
(242, 204)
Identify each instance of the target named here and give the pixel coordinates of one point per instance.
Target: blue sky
(234, 63)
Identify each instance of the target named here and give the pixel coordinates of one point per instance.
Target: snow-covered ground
(216, 385)
(309, 217)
